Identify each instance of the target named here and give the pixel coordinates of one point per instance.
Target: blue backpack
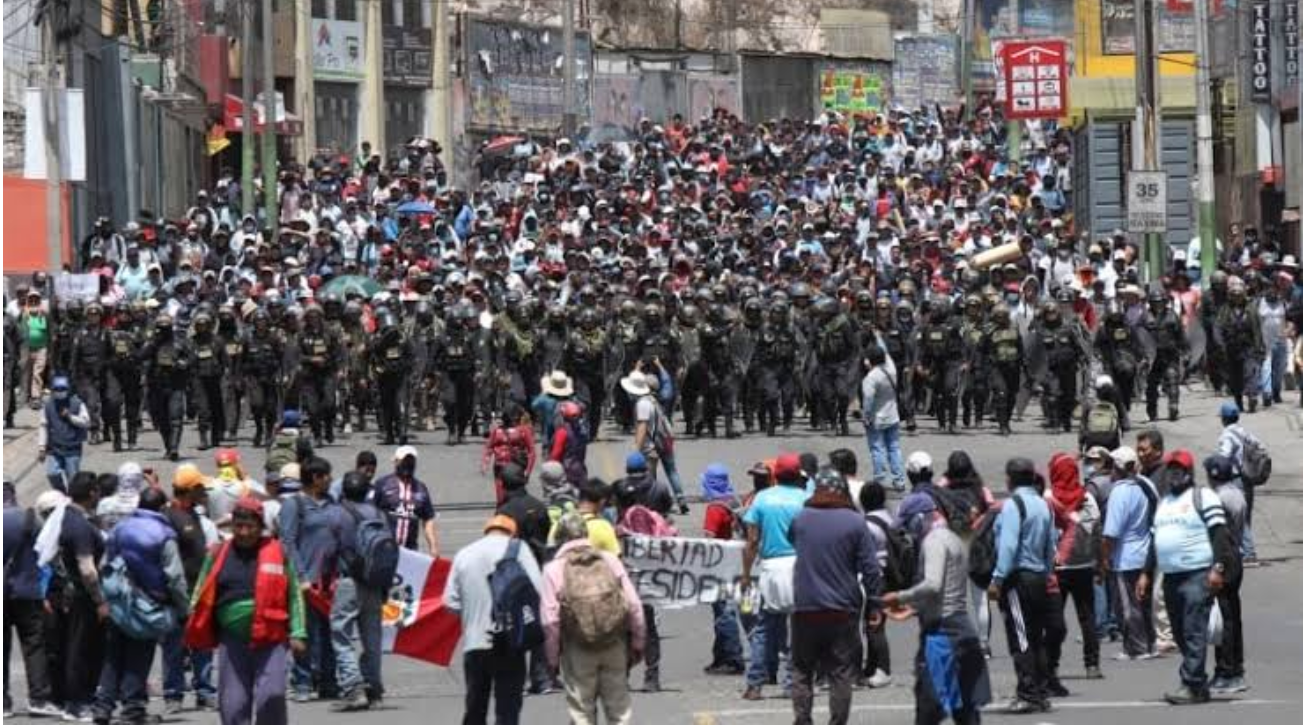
(132, 610)
(515, 603)
(377, 555)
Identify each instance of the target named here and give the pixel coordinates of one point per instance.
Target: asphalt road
(418, 693)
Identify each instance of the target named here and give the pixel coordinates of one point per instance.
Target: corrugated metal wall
(1102, 160)
(776, 87)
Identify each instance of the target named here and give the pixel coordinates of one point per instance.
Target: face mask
(406, 467)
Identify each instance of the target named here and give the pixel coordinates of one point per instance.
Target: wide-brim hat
(635, 384)
(557, 384)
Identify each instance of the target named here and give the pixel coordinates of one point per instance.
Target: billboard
(514, 75)
(853, 87)
(337, 49)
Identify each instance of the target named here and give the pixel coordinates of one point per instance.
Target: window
(413, 13)
(346, 10)
(319, 9)
(388, 12)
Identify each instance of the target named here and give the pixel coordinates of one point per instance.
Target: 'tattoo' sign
(1035, 79)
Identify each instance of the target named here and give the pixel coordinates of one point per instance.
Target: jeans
(769, 640)
(669, 469)
(1105, 618)
(316, 668)
(499, 670)
(175, 659)
(1188, 604)
(1134, 615)
(887, 460)
(830, 646)
(1273, 374)
(123, 676)
(356, 616)
(25, 617)
(727, 648)
(60, 469)
(1230, 653)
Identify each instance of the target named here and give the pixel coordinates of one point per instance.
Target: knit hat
(636, 463)
(716, 483)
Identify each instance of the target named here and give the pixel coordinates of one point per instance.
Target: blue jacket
(1024, 544)
(140, 540)
(310, 532)
(62, 436)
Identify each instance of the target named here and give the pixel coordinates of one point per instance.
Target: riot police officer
(1167, 336)
(1003, 344)
(837, 355)
(585, 361)
(1211, 303)
(1119, 350)
(125, 370)
(625, 343)
(423, 395)
(694, 379)
(229, 334)
(518, 349)
(716, 348)
(455, 359)
(1239, 336)
(262, 366)
(894, 329)
(354, 340)
(553, 338)
(940, 357)
(168, 362)
(320, 361)
(89, 366)
(390, 357)
(779, 358)
(749, 335)
(976, 374)
(211, 367)
(1055, 340)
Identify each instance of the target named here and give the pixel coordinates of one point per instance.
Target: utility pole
(439, 113)
(304, 91)
(1147, 118)
(569, 69)
(1204, 128)
(247, 111)
(965, 73)
(269, 120)
(54, 208)
(1014, 126)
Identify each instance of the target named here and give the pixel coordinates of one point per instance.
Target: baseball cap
(787, 468)
(249, 504)
(187, 476)
(1220, 468)
(227, 456)
(291, 418)
(636, 462)
(1125, 457)
(501, 522)
(1180, 458)
(918, 462)
(1229, 411)
(1103, 380)
(290, 471)
(405, 452)
(1098, 453)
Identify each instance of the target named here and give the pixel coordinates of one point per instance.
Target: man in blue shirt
(767, 526)
(1025, 544)
(1127, 553)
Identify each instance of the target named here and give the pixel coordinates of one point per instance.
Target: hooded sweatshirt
(1076, 515)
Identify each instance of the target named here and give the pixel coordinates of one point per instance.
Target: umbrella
(502, 144)
(415, 208)
(345, 285)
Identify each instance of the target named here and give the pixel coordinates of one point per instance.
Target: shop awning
(287, 124)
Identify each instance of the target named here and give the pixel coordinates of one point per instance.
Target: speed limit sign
(1146, 202)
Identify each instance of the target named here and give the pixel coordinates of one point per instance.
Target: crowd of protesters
(877, 268)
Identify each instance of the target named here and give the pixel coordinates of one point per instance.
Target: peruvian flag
(415, 622)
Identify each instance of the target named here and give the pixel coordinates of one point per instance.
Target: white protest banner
(682, 572)
(84, 287)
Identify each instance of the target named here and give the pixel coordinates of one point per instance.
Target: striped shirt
(1181, 533)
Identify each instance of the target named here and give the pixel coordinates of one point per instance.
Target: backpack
(136, 613)
(1255, 461)
(1101, 427)
(901, 556)
(515, 603)
(983, 553)
(736, 510)
(377, 554)
(592, 605)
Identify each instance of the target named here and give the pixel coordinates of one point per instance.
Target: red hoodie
(1067, 495)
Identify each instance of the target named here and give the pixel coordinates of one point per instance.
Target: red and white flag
(415, 622)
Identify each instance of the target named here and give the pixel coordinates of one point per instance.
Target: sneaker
(353, 701)
(75, 714)
(725, 668)
(752, 694)
(1251, 562)
(301, 696)
(173, 706)
(1018, 706)
(1228, 686)
(207, 702)
(44, 709)
(1094, 673)
(1056, 689)
(1185, 696)
(1165, 647)
(879, 679)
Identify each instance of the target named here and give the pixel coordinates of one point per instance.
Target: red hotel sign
(1035, 79)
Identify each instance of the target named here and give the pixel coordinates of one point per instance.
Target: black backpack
(515, 603)
(901, 556)
(983, 554)
(377, 555)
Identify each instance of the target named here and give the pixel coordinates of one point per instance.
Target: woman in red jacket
(510, 442)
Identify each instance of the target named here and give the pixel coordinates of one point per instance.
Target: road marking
(711, 715)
